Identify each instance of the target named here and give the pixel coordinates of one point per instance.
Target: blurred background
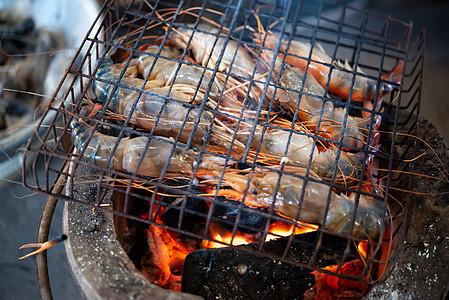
(20, 209)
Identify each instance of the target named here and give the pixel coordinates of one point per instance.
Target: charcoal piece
(194, 214)
(229, 212)
(330, 252)
(241, 273)
(229, 273)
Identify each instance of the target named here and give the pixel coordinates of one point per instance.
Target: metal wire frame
(366, 45)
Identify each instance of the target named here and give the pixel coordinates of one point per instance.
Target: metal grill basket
(369, 42)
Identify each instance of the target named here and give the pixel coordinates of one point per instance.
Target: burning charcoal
(246, 219)
(330, 252)
(194, 214)
(237, 273)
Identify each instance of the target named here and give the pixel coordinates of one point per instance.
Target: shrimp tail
(394, 76)
(369, 221)
(119, 54)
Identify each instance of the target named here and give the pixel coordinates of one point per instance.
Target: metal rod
(42, 236)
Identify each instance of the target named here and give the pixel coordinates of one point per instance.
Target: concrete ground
(19, 219)
(20, 210)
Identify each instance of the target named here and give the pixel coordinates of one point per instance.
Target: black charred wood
(331, 249)
(194, 214)
(239, 273)
(233, 214)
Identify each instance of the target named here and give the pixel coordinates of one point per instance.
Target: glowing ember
(223, 238)
(279, 229)
(225, 241)
(362, 247)
(168, 250)
(167, 258)
(333, 287)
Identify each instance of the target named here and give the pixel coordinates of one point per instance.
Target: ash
(422, 271)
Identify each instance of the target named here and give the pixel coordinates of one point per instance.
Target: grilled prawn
(311, 108)
(112, 72)
(211, 50)
(369, 222)
(154, 154)
(207, 44)
(167, 118)
(299, 153)
(162, 109)
(163, 69)
(296, 54)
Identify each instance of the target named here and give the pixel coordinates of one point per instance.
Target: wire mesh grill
(203, 149)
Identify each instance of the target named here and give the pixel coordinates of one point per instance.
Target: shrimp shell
(299, 153)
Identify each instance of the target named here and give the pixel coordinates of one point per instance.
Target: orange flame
(168, 254)
(224, 238)
(221, 237)
(362, 247)
(279, 229)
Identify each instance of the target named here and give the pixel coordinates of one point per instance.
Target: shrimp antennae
(42, 246)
